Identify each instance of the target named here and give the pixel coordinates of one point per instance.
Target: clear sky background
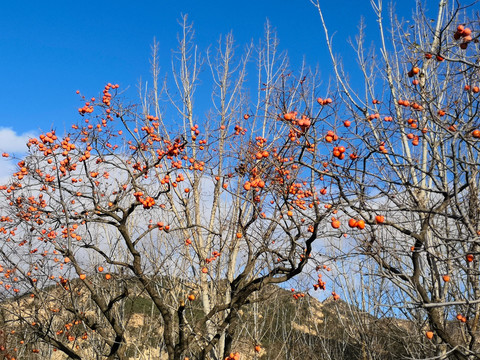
(49, 49)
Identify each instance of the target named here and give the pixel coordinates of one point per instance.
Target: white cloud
(7, 168)
(11, 143)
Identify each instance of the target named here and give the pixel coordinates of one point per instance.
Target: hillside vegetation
(285, 327)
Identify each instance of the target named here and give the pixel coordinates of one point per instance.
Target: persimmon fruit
(335, 224)
(361, 224)
(380, 219)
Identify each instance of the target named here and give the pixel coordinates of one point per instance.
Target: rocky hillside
(283, 325)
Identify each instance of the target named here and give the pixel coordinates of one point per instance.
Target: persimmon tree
(411, 130)
(159, 207)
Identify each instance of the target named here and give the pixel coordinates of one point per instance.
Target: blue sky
(49, 49)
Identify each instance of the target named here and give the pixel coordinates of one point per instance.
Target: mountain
(285, 325)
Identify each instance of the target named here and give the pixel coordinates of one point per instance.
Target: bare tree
(411, 178)
(147, 228)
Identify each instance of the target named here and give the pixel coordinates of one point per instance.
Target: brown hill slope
(285, 327)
